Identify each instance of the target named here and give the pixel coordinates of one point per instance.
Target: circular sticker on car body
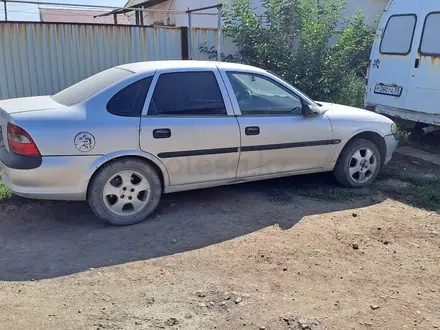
(84, 142)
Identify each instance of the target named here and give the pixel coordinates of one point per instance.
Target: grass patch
(333, 193)
(5, 193)
(405, 136)
(425, 192)
(410, 188)
(428, 195)
(320, 186)
(421, 192)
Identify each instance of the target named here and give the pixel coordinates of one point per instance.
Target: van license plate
(388, 90)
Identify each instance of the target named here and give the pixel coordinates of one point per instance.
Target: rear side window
(430, 44)
(84, 89)
(187, 93)
(129, 101)
(398, 35)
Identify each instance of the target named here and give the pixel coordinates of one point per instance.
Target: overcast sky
(28, 12)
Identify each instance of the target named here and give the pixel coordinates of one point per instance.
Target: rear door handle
(162, 133)
(417, 63)
(252, 130)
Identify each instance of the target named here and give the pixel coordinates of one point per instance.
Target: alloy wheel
(363, 165)
(126, 193)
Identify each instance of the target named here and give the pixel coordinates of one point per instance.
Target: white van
(404, 69)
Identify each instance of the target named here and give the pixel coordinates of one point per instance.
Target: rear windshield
(84, 89)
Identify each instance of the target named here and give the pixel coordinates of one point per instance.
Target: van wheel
(359, 164)
(416, 133)
(125, 192)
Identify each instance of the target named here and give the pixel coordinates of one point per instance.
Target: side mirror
(309, 110)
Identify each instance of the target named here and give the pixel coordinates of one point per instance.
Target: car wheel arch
(373, 137)
(158, 166)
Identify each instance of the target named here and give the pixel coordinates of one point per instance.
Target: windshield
(84, 89)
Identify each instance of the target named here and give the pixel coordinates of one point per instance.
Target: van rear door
(392, 56)
(424, 93)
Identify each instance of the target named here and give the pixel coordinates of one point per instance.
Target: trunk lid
(28, 104)
(13, 106)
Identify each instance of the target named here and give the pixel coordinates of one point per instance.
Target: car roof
(156, 65)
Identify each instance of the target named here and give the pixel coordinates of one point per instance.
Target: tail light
(20, 142)
(367, 76)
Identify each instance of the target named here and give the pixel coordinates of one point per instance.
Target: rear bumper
(18, 162)
(414, 116)
(57, 178)
(392, 144)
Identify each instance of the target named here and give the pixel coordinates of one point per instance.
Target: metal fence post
(184, 39)
(219, 34)
(6, 10)
(190, 35)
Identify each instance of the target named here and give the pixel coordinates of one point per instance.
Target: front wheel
(125, 192)
(359, 164)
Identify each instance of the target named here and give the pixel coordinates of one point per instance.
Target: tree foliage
(295, 40)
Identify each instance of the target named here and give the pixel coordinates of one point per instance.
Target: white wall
(197, 20)
(152, 17)
(372, 9)
(203, 21)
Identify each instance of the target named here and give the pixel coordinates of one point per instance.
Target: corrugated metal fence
(42, 59)
(200, 36)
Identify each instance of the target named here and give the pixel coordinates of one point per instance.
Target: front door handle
(162, 133)
(252, 130)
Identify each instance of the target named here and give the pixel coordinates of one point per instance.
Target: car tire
(359, 158)
(125, 192)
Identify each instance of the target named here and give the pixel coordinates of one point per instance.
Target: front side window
(398, 35)
(187, 93)
(430, 44)
(129, 101)
(259, 95)
(88, 87)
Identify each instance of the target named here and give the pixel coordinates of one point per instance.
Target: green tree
(292, 38)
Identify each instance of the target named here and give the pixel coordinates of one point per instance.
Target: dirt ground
(293, 253)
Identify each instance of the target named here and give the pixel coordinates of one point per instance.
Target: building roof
(134, 4)
(145, 3)
(78, 16)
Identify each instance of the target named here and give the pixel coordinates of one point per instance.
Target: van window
(430, 44)
(398, 35)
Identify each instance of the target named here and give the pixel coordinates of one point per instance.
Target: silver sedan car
(122, 137)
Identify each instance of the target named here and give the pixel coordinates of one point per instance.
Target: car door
(275, 136)
(424, 93)
(190, 126)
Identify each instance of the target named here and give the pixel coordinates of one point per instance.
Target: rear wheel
(359, 164)
(416, 133)
(125, 192)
